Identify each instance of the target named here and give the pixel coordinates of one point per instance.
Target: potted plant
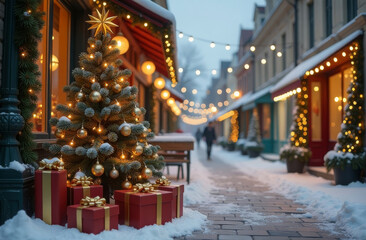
(240, 145)
(231, 146)
(254, 144)
(295, 157)
(346, 166)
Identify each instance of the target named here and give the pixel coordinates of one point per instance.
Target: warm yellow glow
(213, 109)
(236, 94)
(148, 67)
(227, 47)
(225, 116)
(321, 67)
(194, 91)
(165, 94)
(159, 83)
(230, 70)
(246, 66)
(212, 44)
(226, 103)
(170, 102)
(272, 47)
(198, 72)
(316, 89)
(180, 70)
(213, 72)
(279, 54)
(336, 99)
(328, 64)
(335, 59)
(194, 121)
(183, 90)
(146, 24)
(190, 38)
(122, 44)
(263, 61)
(252, 48)
(228, 90)
(180, 35)
(219, 91)
(344, 54)
(54, 63)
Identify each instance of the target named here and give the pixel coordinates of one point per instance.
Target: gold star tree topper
(102, 23)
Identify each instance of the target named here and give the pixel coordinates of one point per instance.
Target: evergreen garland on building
(29, 22)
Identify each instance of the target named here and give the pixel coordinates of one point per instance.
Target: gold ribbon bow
(93, 202)
(143, 188)
(82, 181)
(163, 181)
(55, 165)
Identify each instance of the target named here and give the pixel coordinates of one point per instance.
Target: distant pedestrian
(198, 136)
(210, 137)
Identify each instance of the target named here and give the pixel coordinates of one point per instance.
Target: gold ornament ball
(126, 185)
(98, 169)
(95, 96)
(82, 133)
(137, 111)
(138, 150)
(59, 133)
(146, 172)
(126, 130)
(98, 181)
(114, 173)
(116, 88)
(79, 96)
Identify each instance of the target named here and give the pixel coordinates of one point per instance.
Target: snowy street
(279, 206)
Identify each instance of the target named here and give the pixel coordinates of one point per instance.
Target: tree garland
(29, 22)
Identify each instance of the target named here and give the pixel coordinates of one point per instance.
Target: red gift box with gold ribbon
(139, 209)
(177, 200)
(51, 196)
(76, 193)
(92, 219)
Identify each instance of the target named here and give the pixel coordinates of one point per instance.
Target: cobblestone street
(243, 208)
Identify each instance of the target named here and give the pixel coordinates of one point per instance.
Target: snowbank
(22, 227)
(17, 166)
(345, 205)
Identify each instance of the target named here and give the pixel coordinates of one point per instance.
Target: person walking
(198, 136)
(210, 137)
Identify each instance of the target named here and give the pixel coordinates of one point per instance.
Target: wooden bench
(176, 150)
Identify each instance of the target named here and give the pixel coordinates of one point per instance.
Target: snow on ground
(22, 227)
(198, 191)
(344, 205)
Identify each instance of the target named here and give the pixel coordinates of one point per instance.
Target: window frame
(311, 24)
(328, 17)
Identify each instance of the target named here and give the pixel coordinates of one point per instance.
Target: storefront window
(338, 85)
(55, 75)
(266, 121)
(282, 130)
(316, 110)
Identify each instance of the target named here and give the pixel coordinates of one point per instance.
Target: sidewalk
(243, 208)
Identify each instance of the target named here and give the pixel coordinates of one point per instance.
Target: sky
(214, 20)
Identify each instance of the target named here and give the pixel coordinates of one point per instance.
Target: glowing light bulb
(272, 47)
(279, 54)
(213, 72)
(227, 47)
(263, 61)
(180, 35)
(212, 44)
(191, 39)
(246, 66)
(252, 48)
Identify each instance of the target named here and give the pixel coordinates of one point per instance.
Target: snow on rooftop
(156, 8)
(300, 69)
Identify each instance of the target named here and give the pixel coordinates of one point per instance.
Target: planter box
(295, 166)
(243, 151)
(253, 154)
(347, 175)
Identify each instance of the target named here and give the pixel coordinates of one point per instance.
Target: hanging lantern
(159, 83)
(165, 94)
(148, 67)
(122, 43)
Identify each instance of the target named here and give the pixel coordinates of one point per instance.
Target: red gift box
(76, 193)
(92, 219)
(177, 200)
(51, 196)
(142, 209)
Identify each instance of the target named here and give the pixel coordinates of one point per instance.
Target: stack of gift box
(81, 205)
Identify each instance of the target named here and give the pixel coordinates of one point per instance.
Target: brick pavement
(243, 208)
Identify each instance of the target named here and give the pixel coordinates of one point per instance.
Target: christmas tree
(254, 131)
(349, 148)
(297, 148)
(100, 131)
